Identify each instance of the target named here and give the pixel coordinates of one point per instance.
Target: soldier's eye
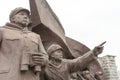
(22, 14)
(58, 51)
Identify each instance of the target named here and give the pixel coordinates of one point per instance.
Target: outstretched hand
(98, 50)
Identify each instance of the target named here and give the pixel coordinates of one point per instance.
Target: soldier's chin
(25, 24)
(58, 59)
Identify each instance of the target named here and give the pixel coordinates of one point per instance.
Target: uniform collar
(16, 27)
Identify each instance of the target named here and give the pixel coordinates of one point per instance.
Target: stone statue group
(24, 57)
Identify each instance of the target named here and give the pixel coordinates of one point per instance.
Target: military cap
(17, 10)
(53, 48)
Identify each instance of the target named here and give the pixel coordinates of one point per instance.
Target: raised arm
(81, 62)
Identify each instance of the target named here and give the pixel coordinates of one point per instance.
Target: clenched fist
(39, 59)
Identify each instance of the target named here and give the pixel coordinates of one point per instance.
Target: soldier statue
(17, 47)
(61, 69)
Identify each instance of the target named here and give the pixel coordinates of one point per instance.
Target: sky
(88, 21)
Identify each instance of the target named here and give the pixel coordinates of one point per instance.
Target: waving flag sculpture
(45, 22)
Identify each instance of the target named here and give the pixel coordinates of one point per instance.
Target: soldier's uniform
(67, 67)
(15, 41)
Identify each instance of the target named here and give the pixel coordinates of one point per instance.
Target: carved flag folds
(47, 25)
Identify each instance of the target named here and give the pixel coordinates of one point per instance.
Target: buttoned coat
(67, 67)
(14, 42)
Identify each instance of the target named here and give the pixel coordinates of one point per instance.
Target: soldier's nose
(25, 17)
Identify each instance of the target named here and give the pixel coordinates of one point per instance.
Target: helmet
(53, 48)
(16, 10)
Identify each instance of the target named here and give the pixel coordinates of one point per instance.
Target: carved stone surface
(45, 23)
(59, 68)
(24, 52)
(79, 49)
(17, 45)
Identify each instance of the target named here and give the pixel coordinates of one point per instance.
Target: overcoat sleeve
(41, 47)
(42, 50)
(1, 33)
(81, 62)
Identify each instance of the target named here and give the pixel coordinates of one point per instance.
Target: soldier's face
(58, 54)
(21, 18)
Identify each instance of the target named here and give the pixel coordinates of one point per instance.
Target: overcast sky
(88, 21)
